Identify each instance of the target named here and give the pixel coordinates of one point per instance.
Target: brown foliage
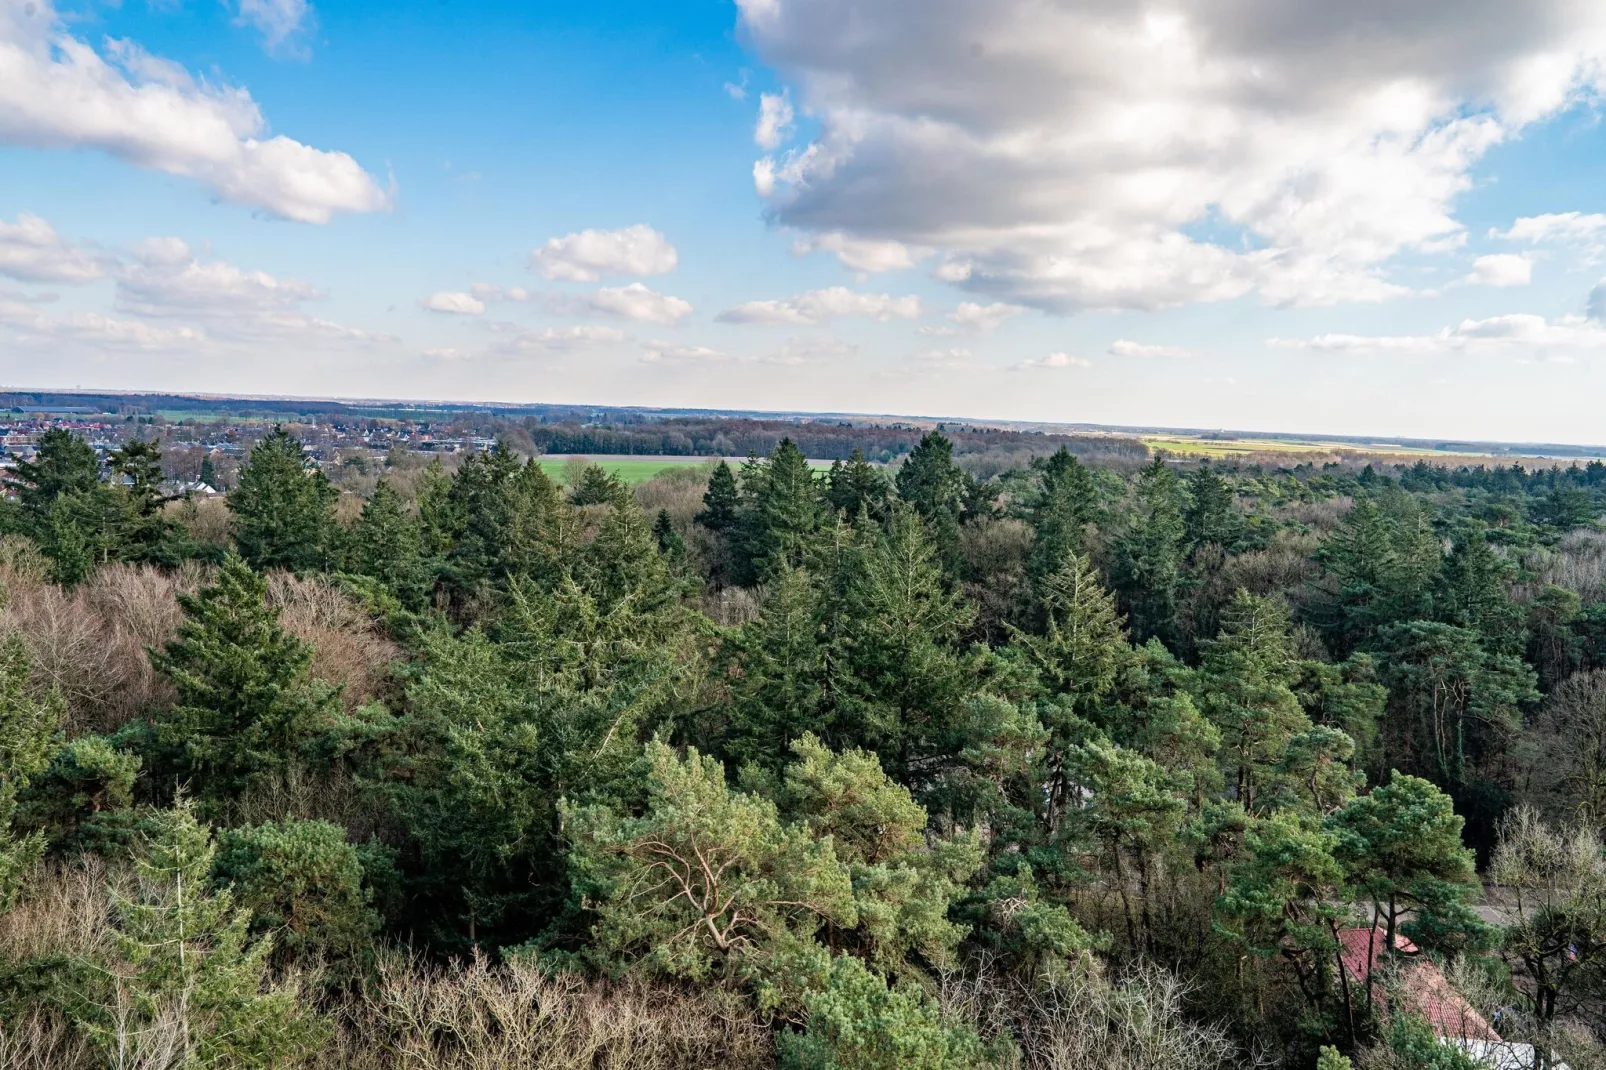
(348, 651)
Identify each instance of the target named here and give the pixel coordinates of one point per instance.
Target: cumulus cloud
(1501, 269)
(32, 251)
(281, 22)
(979, 317)
(33, 326)
(58, 92)
(639, 303)
(454, 301)
(1065, 155)
(1053, 360)
(489, 291)
(816, 306)
(660, 352)
(865, 255)
(1555, 227)
(1124, 348)
(590, 255)
(1493, 333)
(560, 339)
(165, 280)
(774, 120)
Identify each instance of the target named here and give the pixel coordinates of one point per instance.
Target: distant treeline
(826, 441)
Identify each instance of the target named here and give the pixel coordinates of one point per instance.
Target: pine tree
(1149, 553)
(596, 486)
(937, 488)
(63, 463)
(1066, 504)
(282, 510)
(1244, 689)
(670, 543)
(1210, 517)
(779, 694)
(183, 974)
(720, 501)
(26, 728)
(857, 486)
(245, 710)
(387, 545)
(783, 514)
(208, 473)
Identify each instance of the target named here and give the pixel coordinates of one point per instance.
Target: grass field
(635, 470)
(1244, 447)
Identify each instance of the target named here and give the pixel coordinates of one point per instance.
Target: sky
(1362, 218)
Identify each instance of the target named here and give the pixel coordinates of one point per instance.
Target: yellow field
(1244, 448)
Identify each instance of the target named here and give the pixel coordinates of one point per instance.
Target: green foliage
(282, 510)
(1067, 502)
(596, 486)
(246, 710)
(387, 545)
(1330, 1059)
(857, 1022)
(1400, 846)
(779, 689)
(63, 464)
(1210, 517)
(1149, 552)
(302, 883)
(82, 798)
(183, 973)
(857, 486)
(26, 726)
(782, 515)
(707, 883)
(937, 488)
(720, 501)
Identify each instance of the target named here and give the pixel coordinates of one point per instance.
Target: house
(1423, 990)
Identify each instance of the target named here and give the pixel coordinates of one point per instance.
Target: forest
(1082, 764)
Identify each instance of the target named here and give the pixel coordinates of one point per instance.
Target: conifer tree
(670, 543)
(1149, 553)
(720, 501)
(929, 480)
(63, 464)
(26, 728)
(1066, 504)
(1210, 517)
(597, 486)
(387, 545)
(183, 975)
(245, 710)
(779, 694)
(783, 513)
(282, 510)
(857, 486)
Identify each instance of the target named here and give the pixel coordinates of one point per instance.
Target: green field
(635, 470)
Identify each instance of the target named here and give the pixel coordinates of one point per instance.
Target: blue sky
(1219, 213)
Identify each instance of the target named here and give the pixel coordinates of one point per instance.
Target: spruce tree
(783, 515)
(779, 693)
(670, 543)
(929, 480)
(1149, 553)
(183, 977)
(245, 710)
(387, 545)
(1067, 502)
(1210, 517)
(720, 501)
(26, 728)
(63, 464)
(856, 486)
(282, 510)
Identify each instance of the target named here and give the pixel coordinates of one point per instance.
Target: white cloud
(1595, 307)
(800, 351)
(738, 90)
(1054, 360)
(774, 120)
(462, 304)
(561, 339)
(861, 254)
(1493, 333)
(937, 330)
(1124, 348)
(659, 352)
(446, 354)
(166, 281)
(984, 317)
(592, 254)
(1575, 227)
(1065, 155)
(58, 92)
(34, 327)
(32, 251)
(816, 306)
(637, 302)
(1501, 269)
(280, 22)
(489, 291)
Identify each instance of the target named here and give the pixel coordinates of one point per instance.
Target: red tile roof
(1423, 989)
